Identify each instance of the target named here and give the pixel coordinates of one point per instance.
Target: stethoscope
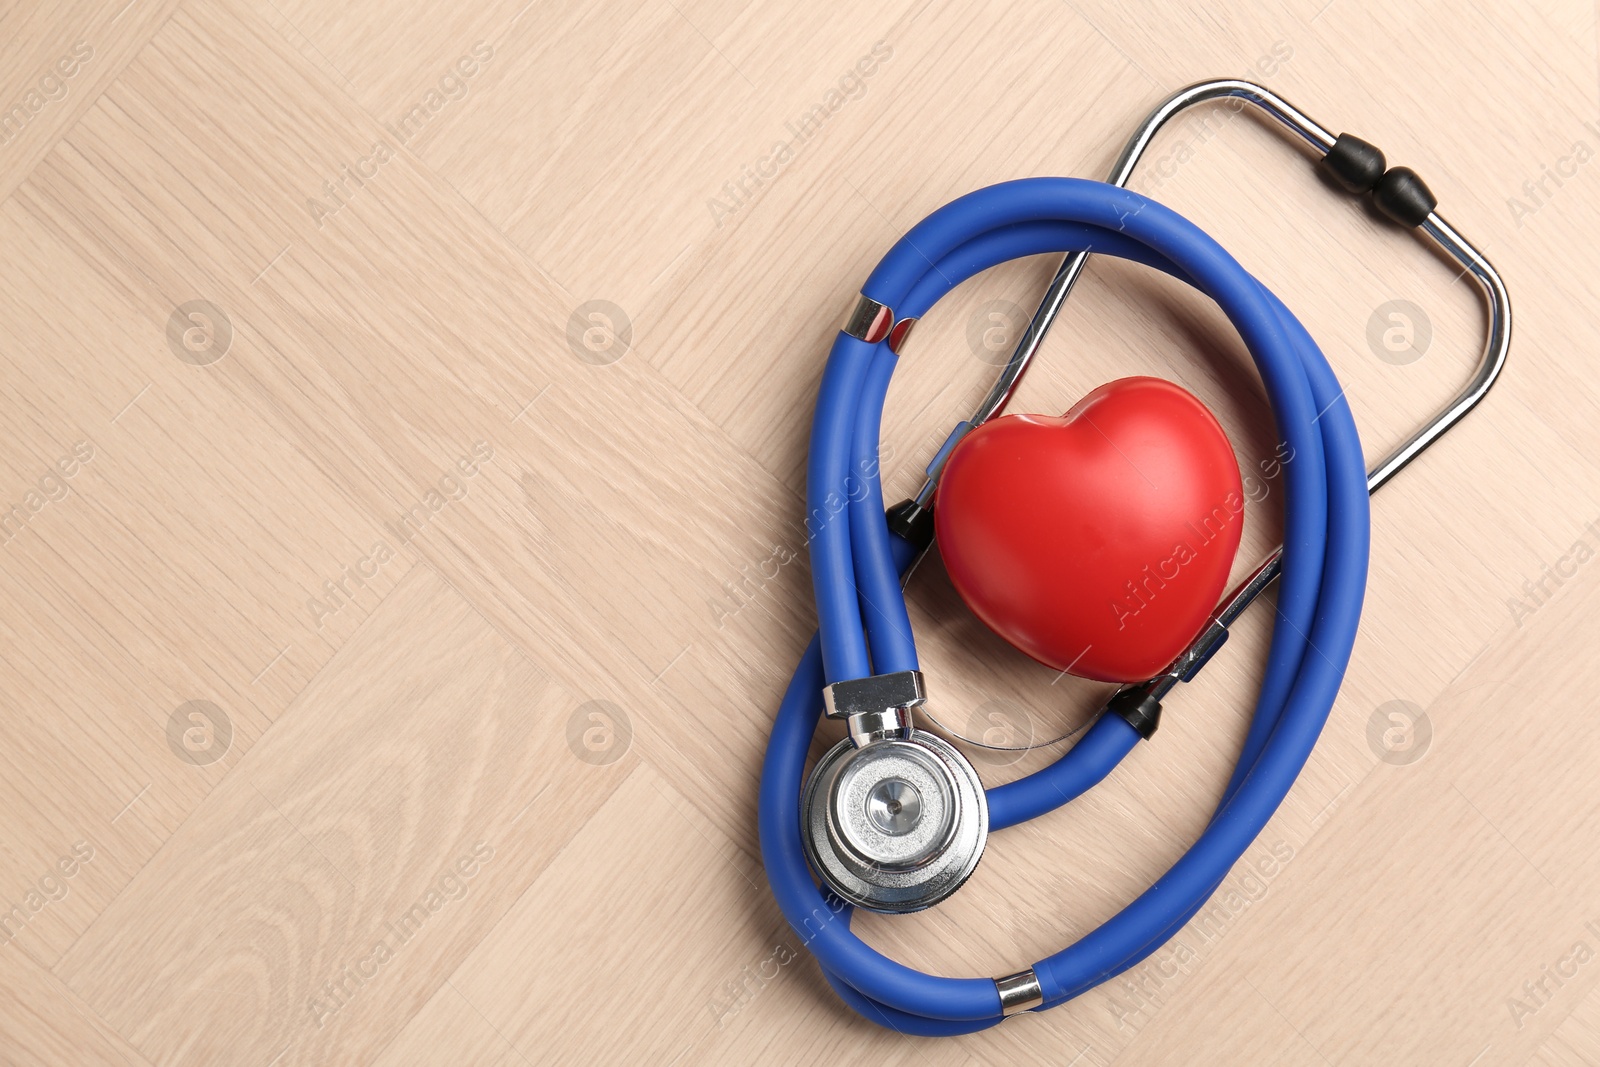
(894, 818)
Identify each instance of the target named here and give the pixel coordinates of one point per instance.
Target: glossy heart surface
(1098, 542)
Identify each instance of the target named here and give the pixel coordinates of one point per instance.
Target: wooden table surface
(405, 410)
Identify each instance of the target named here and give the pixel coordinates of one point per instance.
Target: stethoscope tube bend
(862, 666)
(856, 563)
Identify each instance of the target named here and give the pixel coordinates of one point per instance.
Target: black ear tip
(1353, 164)
(1358, 167)
(1404, 197)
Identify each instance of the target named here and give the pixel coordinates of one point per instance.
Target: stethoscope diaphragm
(895, 825)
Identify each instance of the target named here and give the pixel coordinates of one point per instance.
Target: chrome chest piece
(895, 818)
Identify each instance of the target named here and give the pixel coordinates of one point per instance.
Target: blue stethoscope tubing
(857, 567)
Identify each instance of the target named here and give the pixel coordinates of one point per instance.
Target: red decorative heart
(1098, 543)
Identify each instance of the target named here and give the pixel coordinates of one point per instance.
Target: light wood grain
(568, 659)
(55, 61)
(46, 1023)
(317, 897)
